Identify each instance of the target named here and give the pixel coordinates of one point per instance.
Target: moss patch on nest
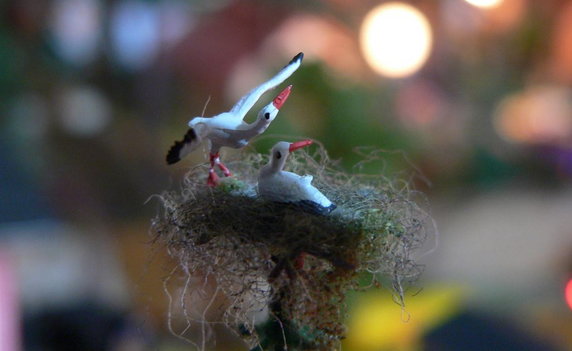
(252, 247)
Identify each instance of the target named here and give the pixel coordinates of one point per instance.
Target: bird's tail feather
(182, 148)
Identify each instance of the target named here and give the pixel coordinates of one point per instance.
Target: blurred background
(477, 94)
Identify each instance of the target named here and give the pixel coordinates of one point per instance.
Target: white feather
(244, 105)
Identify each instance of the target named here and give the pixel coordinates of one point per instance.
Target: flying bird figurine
(277, 185)
(228, 128)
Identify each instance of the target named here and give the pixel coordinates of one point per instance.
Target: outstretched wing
(246, 102)
(190, 142)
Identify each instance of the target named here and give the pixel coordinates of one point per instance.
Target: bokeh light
(485, 3)
(395, 39)
(568, 293)
(75, 27)
(561, 47)
(378, 323)
(430, 106)
(331, 42)
(84, 111)
(135, 33)
(540, 114)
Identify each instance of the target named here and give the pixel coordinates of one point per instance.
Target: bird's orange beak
(281, 98)
(299, 144)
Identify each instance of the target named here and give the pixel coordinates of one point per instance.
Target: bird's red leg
(221, 165)
(224, 170)
(213, 178)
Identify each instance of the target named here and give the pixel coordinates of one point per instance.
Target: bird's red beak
(281, 98)
(299, 144)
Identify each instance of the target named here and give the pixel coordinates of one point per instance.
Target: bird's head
(269, 112)
(283, 148)
(279, 154)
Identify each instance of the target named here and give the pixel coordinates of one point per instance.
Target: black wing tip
(190, 135)
(298, 57)
(174, 154)
(315, 208)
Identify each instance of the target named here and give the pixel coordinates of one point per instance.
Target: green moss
(232, 185)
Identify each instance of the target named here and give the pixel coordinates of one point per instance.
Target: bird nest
(252, 250)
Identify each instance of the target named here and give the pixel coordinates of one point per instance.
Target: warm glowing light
(396, 39)
(568, 293)
(485, 3)
(538, 115)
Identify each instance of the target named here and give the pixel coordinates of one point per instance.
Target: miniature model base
(273, 273)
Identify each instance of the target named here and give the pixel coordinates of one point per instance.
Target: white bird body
(228, 128)
(277, 185)
(290, 187)
(226, 132)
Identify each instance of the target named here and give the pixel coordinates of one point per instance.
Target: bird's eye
(267, 115)
(278, 154)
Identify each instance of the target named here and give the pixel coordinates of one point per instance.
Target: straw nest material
(252, 249)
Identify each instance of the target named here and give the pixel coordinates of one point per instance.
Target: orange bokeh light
(568, 293)
(537, 115)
